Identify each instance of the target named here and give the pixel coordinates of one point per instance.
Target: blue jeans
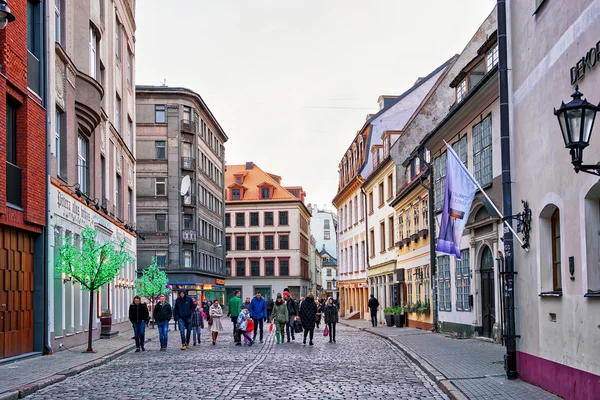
(185, 329)
(163, 333)
(139, 329)
(197, 332)
(290, 328)
(258, 324)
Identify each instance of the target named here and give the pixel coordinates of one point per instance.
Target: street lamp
(576, 120)
(5, 15)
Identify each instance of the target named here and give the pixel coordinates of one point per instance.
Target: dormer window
(239, 180)
(461, 90)
(235, 194)
(265, 193)
(491, 57)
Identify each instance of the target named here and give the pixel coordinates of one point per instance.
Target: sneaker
(143, 349)
(183, 347)
(251, 343)
(260, 341)
(194, 343)
(238, 344)
(311, 343)
(137, 350)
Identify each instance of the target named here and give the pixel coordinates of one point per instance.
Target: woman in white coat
(215, 313)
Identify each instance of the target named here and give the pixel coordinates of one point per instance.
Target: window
(372, 242)
(118, 201)
(463, 282)
(159, 114)
(439, 173)
(444, 301)
(269, 242)
(284, 242)
(382, 236)
(461, 90)
(240, 243)
(284, 268)
(187, 259)
(254, 268)
(161, 222)
(370, 202)
(350, 213)
(556, 252)
(227, 268)
(160, 186)
(491, 58)
(118, 107)
(160, 151)
(425, 209)
(409, 285)
(390, 182)
(228, 243)
(13, 172)
(268, 218)
(408, 231)
(129, 140)
(401, 227)
(227, 219)
(93, 52)
(381, 191)
(269, 268)
(118, 39)
(254, 242)
(235, 194)
(253, 219)
(283, 217)
(329, 286)
(416, 218)
(240, 268)
(161, 259)
(58, 22)
(82, 168)
(34, 45)
(328, 271)
(265, 193)
(482, 151)
(391, 231)
(460, 148)
(102, 179)
(129, 205)
(60, 143)
(129, 67)
(187, 114)
(240, 219)
(326, 224)
(187, 221)
(326, 235)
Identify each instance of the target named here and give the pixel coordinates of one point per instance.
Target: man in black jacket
(184, 306)
(162, 316)
(373, 304)
(292, 306)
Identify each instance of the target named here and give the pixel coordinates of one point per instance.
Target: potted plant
(399, 321)
(389, 316)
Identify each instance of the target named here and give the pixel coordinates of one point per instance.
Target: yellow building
(412, 213)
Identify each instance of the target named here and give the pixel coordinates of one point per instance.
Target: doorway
(488, 303)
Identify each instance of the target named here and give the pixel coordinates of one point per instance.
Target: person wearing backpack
(242, 327)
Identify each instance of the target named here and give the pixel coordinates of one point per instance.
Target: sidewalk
(21, 378)
(464, 368)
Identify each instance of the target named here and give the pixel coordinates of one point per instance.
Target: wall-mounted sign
(207, 286)
(220, 281)
(589, 61)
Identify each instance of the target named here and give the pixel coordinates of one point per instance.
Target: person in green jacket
(235, 307)
(280, 317)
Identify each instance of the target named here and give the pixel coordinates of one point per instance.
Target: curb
(25, 390)
(446, 385)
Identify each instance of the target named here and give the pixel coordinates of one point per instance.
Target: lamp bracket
(523, 222)
(588, 169)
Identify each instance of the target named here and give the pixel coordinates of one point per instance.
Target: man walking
(292, 307)
(246, 304)
(235, 307)
(258, 312)
(162, 316)
(184, 306)
(373, 305)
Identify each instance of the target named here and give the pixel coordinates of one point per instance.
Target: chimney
(249, 165)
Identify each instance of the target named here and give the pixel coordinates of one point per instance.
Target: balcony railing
(13, 184)
(189, 126)
(189, 235)
(188, 163)
(189, 200)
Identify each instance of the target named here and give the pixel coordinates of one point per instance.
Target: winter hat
(286, 293)
(279, 295)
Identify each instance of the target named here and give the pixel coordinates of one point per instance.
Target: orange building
(267, 234)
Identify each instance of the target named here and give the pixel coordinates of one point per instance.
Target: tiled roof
(254, 178)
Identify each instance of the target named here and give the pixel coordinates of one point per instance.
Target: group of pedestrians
(286, 313)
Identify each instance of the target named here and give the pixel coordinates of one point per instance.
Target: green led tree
(152, 284)
(92, 264)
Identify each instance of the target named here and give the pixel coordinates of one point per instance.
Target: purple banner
(460, 191)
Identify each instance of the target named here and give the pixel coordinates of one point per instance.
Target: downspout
(432, 254)
(510, 359)
(46, 261)
(367, 265)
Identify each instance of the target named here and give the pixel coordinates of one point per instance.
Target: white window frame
(82, 156)
(444, 284)
(461, 90)
(463, 281)
(93, 53)
(160, 181)
(482, 151)
(118, 106)
(57, 22)
(57, 132)
(161, 254)
(491, 58)
(187, 259)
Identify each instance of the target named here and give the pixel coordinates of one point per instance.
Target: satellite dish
(185, 185)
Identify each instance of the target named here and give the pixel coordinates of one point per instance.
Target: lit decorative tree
(152, 284)
(92, 264)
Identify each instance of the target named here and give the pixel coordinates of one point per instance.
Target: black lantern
(576, 119)
(5, 15)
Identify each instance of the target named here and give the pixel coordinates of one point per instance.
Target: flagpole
(486, 196)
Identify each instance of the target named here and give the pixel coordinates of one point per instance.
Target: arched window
(556, 251)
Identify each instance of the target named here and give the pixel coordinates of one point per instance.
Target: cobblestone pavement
(358, 366)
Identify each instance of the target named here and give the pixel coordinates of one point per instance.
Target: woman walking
(331, 318)
(139, 317)
(215, 313)
(197, 323)
(280, 317)
(308, 316)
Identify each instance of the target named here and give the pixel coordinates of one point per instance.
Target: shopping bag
(250, 327)
(271, 327)
(326, 331)
(297, 326)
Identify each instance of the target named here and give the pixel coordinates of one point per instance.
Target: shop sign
(208, 286)
(589, 61)
(220, 281)
(361, 285)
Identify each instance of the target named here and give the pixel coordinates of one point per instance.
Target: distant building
(267, 234)
(329, 276)
(324, 228)
(315, 269)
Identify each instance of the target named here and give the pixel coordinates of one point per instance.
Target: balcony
(13, 184)
(188, 163)
(88, 102)
(189, 126)
(189, 201)
(188, 236)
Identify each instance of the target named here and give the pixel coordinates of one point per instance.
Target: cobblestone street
(359, 365)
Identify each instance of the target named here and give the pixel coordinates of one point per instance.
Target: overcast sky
(291, 81)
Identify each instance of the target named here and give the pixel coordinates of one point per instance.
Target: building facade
(22, 181)
(324, 228)
(558, 281)
(91, 102)
(267, 236)
(181, 208)
(314, 275)
(329, 277)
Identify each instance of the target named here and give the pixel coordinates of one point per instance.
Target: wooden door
(488, 302)
(16, 292)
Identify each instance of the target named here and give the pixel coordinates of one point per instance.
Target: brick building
(22, 181)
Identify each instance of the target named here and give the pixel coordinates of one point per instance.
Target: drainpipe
(432, 257)
(47, 265)
(367, 265)
(510, 359)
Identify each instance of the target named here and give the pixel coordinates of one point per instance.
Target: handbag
(326, 331)
(297, 326)
(271, 327)
(250, 326)
(210, 321)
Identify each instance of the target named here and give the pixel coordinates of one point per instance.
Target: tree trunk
(89, 348)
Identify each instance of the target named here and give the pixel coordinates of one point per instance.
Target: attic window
(461, 90)
(235, 194)
(265, 193)
(491, 58)
(239, 180)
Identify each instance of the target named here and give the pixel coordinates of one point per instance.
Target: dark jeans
(245, 334)
(185, 328)
(258, 322)
(139, 329)
(163, 333)
(331, 327)
(374, 316)
(309, 331)
(289, 327)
